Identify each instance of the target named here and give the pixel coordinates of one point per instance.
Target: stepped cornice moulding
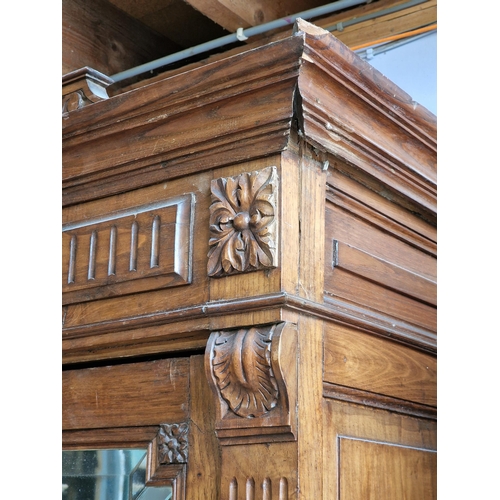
(246, 106)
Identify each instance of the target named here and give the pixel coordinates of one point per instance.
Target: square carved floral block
(243, 223)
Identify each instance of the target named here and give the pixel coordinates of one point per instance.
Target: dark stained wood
(365, 294)
(311, 437)
(82, 87)
(175, 19)
(393, 277)
(363, 201)
(193, 120)
(114, 437)
(267, 472)
(380, 239)
(246, 369)
(233, 15)
(249, 275)
(382, 26)
(243, 205)
(367, 398)
(204, 457)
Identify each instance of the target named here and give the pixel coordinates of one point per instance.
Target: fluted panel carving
(243, 225)
(258, 490)
(137, 249)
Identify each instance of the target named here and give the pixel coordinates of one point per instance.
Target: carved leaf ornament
(242, 367)
(242, 223)
(173, 443)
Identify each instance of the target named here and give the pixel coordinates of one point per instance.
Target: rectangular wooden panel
(375, 297)
(366, 230)
(367, 204)
(359, 360)
(385, 471)
(393, 277)
(141, 248)
(343, 422)
(260, 471)
(134, 394)
(379, 256)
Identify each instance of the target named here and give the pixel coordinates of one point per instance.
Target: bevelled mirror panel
(108, 474)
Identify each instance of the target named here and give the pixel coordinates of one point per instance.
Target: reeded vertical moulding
(243, 223)
(252, 372)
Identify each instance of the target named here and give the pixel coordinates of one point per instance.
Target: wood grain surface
(358, 360)
(126, 395)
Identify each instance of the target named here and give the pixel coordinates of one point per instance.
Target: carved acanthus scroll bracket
(252, 371)
(242, 368)
(243, 223)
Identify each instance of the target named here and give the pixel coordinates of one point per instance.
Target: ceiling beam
(97, 34)
(234, 14)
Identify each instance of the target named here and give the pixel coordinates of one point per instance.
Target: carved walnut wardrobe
(249, 277)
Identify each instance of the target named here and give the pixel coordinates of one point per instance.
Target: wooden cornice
(244, 107)
(349, 109)
(229, 111)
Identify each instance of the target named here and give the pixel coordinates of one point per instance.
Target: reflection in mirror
(108, 475)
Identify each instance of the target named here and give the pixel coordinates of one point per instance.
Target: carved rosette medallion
(242, 367)
(243, 223)
(173, 443)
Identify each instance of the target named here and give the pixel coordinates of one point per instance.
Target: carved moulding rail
(88, 337)
(243, 223)
(252, 372)
(83, 87)
(136, 249)
(244, 107)
(366, 398)
(162, 468)
(241, 109)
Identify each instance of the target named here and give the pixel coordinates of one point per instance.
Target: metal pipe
(241, 34)
(368, 52)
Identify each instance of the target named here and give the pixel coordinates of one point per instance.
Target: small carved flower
(242, 223)
(173, 443)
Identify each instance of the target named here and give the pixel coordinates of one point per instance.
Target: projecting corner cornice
(244, 107)
(349, 109)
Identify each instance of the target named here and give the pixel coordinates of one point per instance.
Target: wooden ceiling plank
(358, 12)
(391, 24)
